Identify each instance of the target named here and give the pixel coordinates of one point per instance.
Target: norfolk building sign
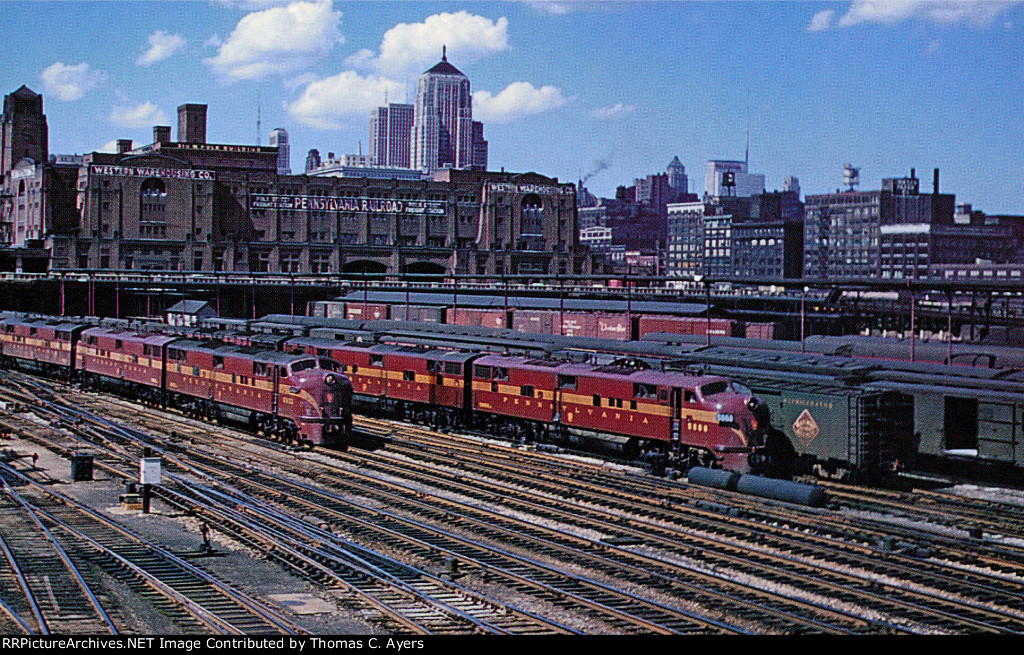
(148, 171)
(359, 204)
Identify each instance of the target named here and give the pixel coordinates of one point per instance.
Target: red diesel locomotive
(691, 419)
(297, 397)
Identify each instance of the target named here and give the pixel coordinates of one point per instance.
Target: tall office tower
(442, 133)
(479, 147)
(390, 135)
(677, 177)
(24, 132)
(791, 183)
(730, 178)
(312, 160)
(279, 140)
(192, 123)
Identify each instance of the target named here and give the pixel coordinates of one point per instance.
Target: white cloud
(408, 47)
(70, 83)
(145, 114)
(616, 110)
(821, 21)
(280, 40)
(161, 46)
(975, 12)
(331, 102)
(519, 99)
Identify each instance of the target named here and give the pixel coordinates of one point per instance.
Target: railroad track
(413, 600)
(986, 591)
(195, 601)
(632, 510)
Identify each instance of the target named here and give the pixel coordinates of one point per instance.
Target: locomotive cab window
(303, 365)
(645, 391)
(409, 376)
(483, 372)
(713, 388)
(376, 360)
(566, 381)
(526, 390)
(453, 368)
(689, 395)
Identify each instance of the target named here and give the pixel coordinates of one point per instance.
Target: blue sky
(604, 89)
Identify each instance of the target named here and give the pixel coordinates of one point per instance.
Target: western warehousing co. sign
(358, 204)
(150, 171)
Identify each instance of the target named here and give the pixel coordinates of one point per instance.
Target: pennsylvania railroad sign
(806, 428)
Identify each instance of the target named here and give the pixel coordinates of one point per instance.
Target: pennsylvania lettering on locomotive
(359, 204)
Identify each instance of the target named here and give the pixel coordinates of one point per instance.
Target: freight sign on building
(360, 204)
(540, 189)
(149, 171)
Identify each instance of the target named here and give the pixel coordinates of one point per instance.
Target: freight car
(296, 397)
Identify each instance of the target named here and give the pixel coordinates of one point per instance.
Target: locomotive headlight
(752, 403)
(329, 379)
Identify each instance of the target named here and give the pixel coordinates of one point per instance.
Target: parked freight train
(678, 418)
(297, 397)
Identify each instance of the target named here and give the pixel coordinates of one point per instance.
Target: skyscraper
(312, 160)
(442, 134)
(391, 135)
(23, 132)
(479, 147)
(677, 178)
(279, 139)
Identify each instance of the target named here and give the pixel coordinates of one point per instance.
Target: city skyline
(609, 91)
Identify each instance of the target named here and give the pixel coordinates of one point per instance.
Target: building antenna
(259, 135)
(746, 156)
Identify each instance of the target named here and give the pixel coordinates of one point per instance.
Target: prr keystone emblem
(806, 428)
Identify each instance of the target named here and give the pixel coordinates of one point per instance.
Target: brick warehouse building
(191, 205)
